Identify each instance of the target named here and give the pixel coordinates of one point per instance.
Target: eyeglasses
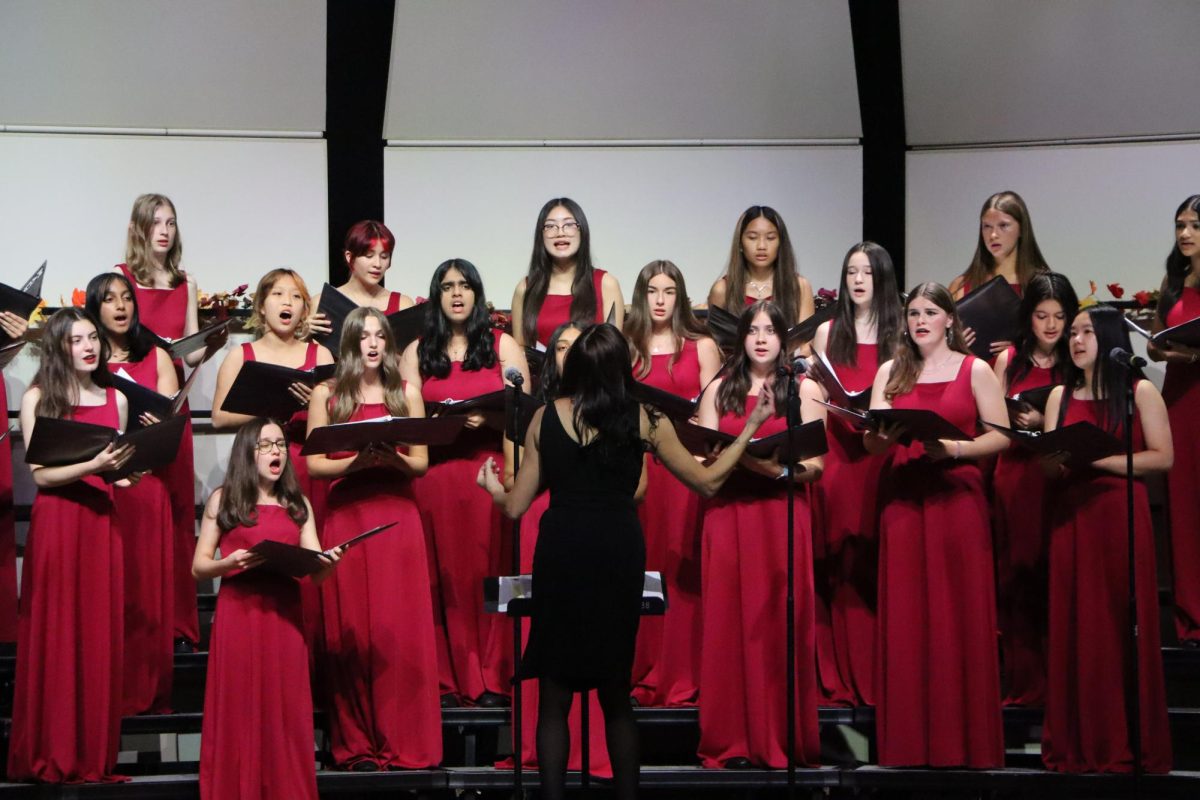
(267, 445)
(570, 228)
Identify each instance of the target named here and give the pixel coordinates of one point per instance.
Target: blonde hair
(907, 363)
(139, 255)
(347, 381)
(256, 323)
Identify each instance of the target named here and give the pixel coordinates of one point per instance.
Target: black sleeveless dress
(588, 563)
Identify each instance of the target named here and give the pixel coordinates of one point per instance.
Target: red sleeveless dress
(316, 490)
(1181, 392)
(67, 699)
(556, 308)
(382, 659)
(1085, 727)
(257, 737)
(464, 540)
(8, 533)
(743, 690)
(846, 508)
(1021, 530)
(164, 311)
(393, 303)
(937, 679)
(144, 514)
(667, 659)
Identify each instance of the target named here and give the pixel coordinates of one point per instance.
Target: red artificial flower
(828, 294)
(1142, 298)
(420, 300)
(241, 290)
(1116, 290)
(78, 298)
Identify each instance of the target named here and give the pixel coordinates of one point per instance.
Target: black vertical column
(357, 56)
(875, 28)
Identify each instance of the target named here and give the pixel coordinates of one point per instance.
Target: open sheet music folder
(59, 442)
(299, 562)
(808, 438)
(920, 424)
(992, 311)
(406, 324)
(354, 436)
(823, 373)
(262, 390)
(513, 595)
(1083, 441)
(1185, 333)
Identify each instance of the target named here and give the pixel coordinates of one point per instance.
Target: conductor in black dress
(587, 448)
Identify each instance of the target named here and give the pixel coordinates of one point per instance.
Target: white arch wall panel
(642, 204)
(214, 65)
(1031, 70)
(623, 69)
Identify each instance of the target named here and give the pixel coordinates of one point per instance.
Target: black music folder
(1030, 400)
(1082, 441)
(490, 404)
(536, 359)
(300, 562)
(722, 326)
(354, 436)
(920, 424)
(1186, 334)
(59, 442)
(803, 332)
(528, 405)
(823, 373)
(261, 389)
(143, 400)
(184, 345)
(993, 312)
(672, 406)
(23, 301)
(513, 595)
(9, 351)
(809, 441)
(406, 325)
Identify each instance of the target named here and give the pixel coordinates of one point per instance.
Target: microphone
(1123, 358)
(797, 366)
(514, 376)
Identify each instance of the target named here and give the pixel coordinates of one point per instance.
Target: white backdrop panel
(216, 64)
(642, 204)
(245, 206)
(1100, 212)
(1027, 70)
(622, 69)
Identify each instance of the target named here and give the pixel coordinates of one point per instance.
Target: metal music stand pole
(513, 423)
(793, 420)
(1133, 702)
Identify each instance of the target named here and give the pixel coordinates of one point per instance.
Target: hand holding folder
(808, 441)
(1186, 334)
(212, 337)
(1082, 442)
(22, 302)
(823, 373)
(672, 406)
(382, 431)
(61, 442)
(300, 562)
(913, 424)
(992, 311)
(490, 406)
(265, 390)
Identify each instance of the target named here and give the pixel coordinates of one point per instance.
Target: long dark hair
(1178, 266)
(136, 340)
(239, 492)
(1108, 381)
(481, 341)
(785, 287)
(597, 376)
(537, 282)
(886, 311)
(638, 325)
(55, 375)
(908, 361)
(347, 380)
(1047, 286)
(551, 378)
(1029, 256)
(735, 385)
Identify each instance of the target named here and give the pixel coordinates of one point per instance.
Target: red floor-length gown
(1021, 531)
(846, 544)
(382, 685)
(8, 533)
(144, 515)
(316, 490)
(1085, 727)
(465, 543)
(164, 311)
(556, 309)
(743, 691)
(257, 736)
(67, 699)
(1181, 392)
(598, 761)
(937, 680)
(667, 660)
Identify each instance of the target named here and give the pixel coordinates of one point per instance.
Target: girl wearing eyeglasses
(257, 737)
(562, 285)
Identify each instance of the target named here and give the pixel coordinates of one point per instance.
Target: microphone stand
(513, 425)
(1133, 701)
(793, 421)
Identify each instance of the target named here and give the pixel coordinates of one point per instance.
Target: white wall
(1023, 70)
(215, 64)
(642, 204)
(244, 205)
(622, 69)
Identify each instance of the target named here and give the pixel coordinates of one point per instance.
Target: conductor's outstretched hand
(489, 479)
